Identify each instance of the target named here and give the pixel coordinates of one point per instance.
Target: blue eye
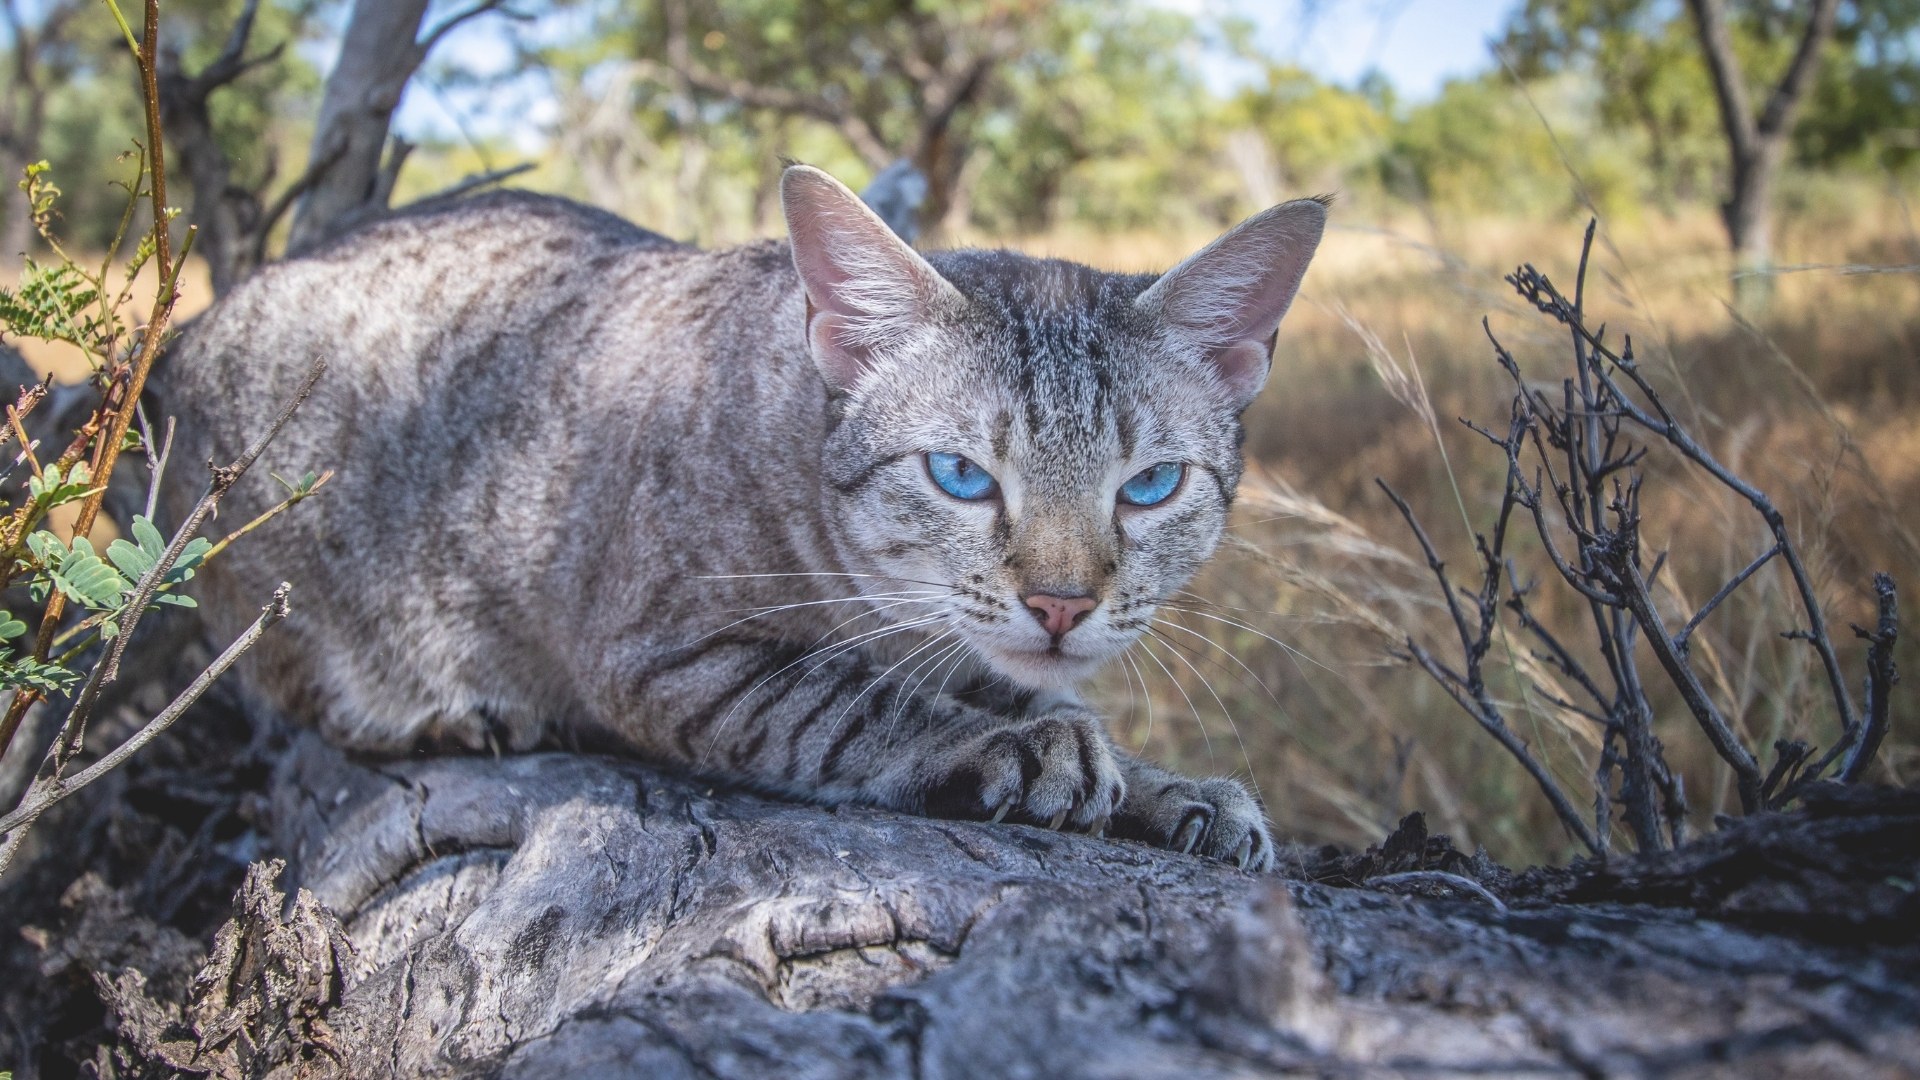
(1153, 485)
(961, 478)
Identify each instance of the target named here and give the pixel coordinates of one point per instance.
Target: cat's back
(382, 299)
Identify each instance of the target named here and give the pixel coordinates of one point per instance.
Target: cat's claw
(1214, 819)
(1191, 831)
(1054, 770)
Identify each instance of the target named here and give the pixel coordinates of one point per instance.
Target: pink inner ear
(841, 363)
(1243, 366)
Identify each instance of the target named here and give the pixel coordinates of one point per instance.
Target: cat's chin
(1043, 669)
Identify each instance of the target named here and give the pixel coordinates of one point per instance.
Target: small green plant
(89, 601)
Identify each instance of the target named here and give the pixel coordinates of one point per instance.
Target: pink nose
(1059, 614)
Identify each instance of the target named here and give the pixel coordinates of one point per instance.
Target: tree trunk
(223, 239)
(16, 227)
(1756, 142)
(1748, 216)
(563, 915)
(378, 55)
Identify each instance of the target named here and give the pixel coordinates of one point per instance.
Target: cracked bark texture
(559, 915)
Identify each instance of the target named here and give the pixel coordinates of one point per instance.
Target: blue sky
(1417, 44)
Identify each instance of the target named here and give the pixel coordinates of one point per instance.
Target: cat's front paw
(1217, 818)
(1053, 770)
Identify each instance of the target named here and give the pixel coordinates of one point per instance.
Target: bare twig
(1604, 362)
(1639, 601)
(433, 36)
(476, 182)
(1686, 632)
(223, 479)
(311, 175)
(1881, 677)
(267, 515)
(48, 790)
(1468, 688)
(1440, 877)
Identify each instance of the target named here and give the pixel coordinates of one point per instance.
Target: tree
(891, 79)
(350, 171)
(1630, 46)
(42, 58)
(1756, 142)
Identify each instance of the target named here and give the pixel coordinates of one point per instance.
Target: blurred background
(1751, 165)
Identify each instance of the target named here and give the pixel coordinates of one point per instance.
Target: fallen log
(559, 915)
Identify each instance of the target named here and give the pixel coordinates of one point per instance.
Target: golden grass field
(1818, 403)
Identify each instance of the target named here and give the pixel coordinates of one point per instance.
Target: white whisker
(1229, 654)
(882, 677)
(917, 597)
(834, 650)
(1202, 724)
(1245, 757)
(1146, 694)
(932, 664)
(1251, 630)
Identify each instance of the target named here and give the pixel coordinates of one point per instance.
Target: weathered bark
(562, 915)
(1756, 143)
(555, 915)
(355, 172)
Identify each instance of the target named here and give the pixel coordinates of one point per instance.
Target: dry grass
(1820, 406)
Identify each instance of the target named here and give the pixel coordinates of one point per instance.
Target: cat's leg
(838, 728)
(1217, 817)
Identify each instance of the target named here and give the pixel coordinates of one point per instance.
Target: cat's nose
(1059, 614)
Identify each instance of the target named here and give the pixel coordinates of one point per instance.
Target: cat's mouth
(1048, 667)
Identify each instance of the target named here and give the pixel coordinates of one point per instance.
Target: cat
(734, 511)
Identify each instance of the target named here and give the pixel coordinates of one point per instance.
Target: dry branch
(1584, 464)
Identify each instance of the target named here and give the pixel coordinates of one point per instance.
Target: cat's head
(1031, 452)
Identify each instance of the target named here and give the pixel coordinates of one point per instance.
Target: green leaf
(54, 304)
(191, 556)
(131, 560)
(148, 536)
(51, 488)
(10, 627)
(37, 675)
(83, 576)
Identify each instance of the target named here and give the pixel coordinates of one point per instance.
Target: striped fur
(577, 462)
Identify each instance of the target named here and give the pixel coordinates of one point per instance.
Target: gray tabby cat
(850, 534)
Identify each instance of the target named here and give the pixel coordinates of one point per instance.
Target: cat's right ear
(867, 291)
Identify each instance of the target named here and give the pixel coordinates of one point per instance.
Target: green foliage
(1322, 136)
(51, 303)
(68, 303)
(51, 488)
(106, 585)
(1647, 60)
(46, 678)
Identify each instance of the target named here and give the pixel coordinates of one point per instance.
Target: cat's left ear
(1230, 297)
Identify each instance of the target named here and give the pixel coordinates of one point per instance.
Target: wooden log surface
(566, 915)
